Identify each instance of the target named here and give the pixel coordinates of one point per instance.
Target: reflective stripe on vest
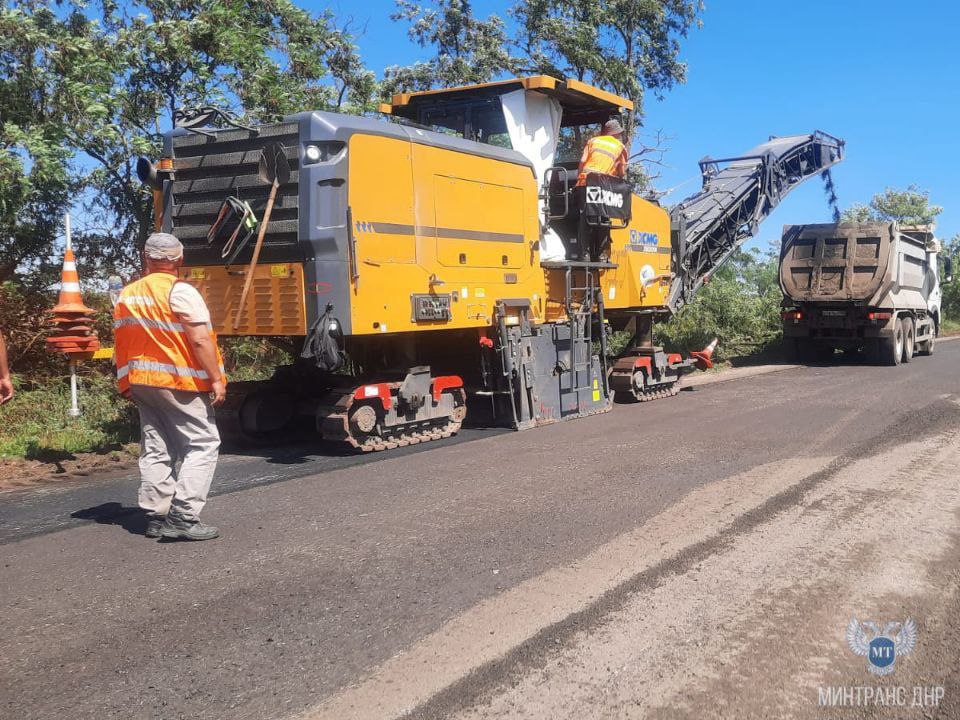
(151, 344)
(603, 155)
(151, 366)
(148, 323)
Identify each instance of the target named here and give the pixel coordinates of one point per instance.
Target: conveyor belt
(738, 194)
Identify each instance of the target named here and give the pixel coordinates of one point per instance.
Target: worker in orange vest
(6, 384)
(603, 154)
(169, 365)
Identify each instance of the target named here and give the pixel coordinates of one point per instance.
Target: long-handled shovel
(274, 169)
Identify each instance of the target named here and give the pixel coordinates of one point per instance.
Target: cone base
(72, 307)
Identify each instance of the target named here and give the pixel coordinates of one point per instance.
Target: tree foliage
(466, 50)
(628, 47)
(857, 213)
(740, 306)
(908, 207)
(87, 87)
(950, 303)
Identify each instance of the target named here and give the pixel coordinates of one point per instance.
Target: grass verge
(949, 326)
(36, 425)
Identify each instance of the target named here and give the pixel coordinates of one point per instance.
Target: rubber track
(336, 426)
(655, 393)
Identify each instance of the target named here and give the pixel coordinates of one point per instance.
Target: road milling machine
(428, 262)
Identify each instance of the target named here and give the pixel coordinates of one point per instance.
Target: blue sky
(882, 75)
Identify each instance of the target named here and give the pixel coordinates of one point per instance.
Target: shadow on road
(130, 519)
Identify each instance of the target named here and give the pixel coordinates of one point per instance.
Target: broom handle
(256, 253)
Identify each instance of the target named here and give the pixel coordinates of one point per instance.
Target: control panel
(428, 307)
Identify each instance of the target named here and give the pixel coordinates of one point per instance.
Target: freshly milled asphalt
(111, 496)
(320, 577)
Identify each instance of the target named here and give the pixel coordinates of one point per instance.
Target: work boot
(154, 525)
(178, 527)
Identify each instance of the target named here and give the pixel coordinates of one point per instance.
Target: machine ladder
(583, 302)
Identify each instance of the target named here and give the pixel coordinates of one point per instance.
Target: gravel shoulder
(756, 630)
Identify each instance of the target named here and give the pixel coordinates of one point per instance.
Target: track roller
(256, 411)
(387, 415)
(648, 373)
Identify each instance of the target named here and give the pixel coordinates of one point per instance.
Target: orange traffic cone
(74, 335)
(704, 357)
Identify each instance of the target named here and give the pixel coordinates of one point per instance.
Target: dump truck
(421, 265)
(871, 288)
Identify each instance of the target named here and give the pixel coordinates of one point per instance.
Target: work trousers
(176, 427)
(593, 240)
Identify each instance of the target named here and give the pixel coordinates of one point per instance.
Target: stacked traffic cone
(74, 335)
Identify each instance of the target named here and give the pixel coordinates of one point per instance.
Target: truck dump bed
(836, 262)
(877, 264)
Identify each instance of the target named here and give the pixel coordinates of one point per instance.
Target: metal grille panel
(208, 169)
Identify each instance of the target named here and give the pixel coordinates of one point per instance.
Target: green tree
(467, 50)
(950, 304)
(740, 306)
(628, 47)
(35, 183)
(857, 213)
(908, 207)
(87, 87)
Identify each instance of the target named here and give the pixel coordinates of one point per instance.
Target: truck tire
(804, 351)
(891, 348)
(824, 353)
(797, 351)
(909, 337)
(926, 347)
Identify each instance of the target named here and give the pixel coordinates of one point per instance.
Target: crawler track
(336, 426)
(648, 394)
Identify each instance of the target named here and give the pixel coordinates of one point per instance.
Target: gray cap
(163, 246)
(612, 127)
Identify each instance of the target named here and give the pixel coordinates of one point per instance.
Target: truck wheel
(909, 336)
(891, 348)
(825, 353)
(926, 347)
(799, 351)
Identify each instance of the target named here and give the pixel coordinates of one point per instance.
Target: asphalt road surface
(693, 557)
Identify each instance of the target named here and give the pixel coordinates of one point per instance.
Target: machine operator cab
(548, 121)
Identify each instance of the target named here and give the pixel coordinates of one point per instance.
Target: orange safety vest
(605, 155)
(151, 347)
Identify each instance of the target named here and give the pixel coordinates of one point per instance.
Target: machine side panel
(275, 305)
(642, 253)
(438, 227)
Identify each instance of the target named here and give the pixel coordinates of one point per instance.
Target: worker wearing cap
(168, 363)
(604, 154)
(6, 384)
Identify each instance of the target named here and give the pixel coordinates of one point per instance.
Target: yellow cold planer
(423, 264)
